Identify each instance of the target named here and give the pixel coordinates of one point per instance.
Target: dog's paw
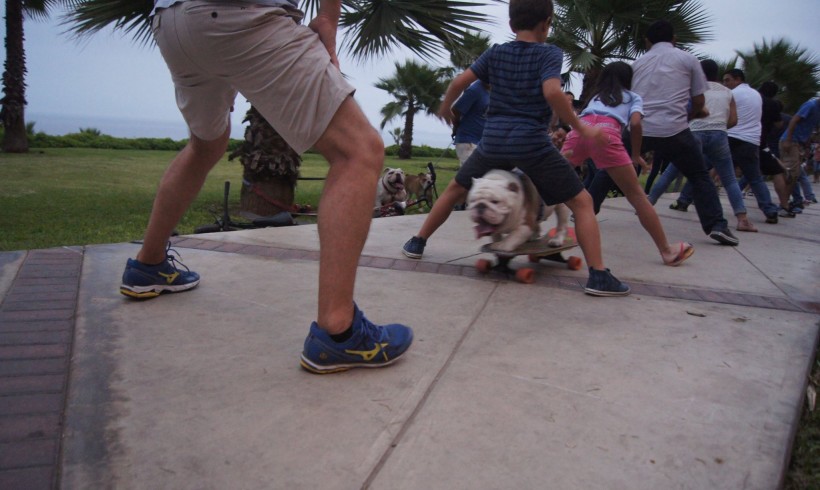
(502, 246)
(555, 242)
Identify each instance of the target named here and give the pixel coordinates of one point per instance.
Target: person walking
(612, 107)
(711, 133)
(745, 138)
(290, 73)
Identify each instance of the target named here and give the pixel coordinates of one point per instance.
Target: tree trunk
(270, 168)
(406, 147)
(15, 139)
(266, 197)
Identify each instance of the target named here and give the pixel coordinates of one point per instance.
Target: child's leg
(586, 229)
(442, 208)
(626, 179)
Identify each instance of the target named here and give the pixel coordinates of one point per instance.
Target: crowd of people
(290, 72)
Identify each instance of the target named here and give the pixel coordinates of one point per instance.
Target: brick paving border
(36, 337)
(37, 318)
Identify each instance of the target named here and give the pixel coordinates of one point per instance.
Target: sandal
(746, 226)
(686, 250)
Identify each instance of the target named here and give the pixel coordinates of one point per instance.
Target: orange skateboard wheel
(574, 263)
(525, 275)
(483, 265)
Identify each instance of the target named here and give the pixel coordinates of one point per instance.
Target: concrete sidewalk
(694, 381)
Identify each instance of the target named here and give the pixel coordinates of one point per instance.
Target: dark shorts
(768, 164)
(553, 176)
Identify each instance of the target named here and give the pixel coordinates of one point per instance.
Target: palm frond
(86, 17)
(426, 27)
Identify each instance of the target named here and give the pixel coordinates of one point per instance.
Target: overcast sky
(123, 88)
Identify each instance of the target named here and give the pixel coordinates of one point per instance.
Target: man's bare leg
(178, 188)
(355, 153)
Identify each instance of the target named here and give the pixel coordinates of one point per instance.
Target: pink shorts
(577, 149)
(215, 50)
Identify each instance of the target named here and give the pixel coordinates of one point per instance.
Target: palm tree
(592, 32)
(415, 88)
(15, 139)
(370, 28)
(793, 68)
(472, 45)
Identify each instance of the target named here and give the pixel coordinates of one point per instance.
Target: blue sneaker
(142, 281)
(603, 283)
(414, 248)
(370, 346)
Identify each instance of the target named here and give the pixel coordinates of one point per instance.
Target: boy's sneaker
(679, 206)
(370, 346)
(771, 218)
(603, 283)
(724, 237)
(142, 281)
(414, 248)
(785, 213)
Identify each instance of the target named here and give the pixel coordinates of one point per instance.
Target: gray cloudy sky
(110, 83)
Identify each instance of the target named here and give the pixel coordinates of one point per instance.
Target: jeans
(802, 183)
(683, 149)
(715, 148)
(746, 156)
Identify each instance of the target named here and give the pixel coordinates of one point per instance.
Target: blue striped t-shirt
(518, 116)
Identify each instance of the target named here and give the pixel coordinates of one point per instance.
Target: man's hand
(638, 161)
(326, 27)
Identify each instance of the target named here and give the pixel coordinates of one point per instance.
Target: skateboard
(536, 251)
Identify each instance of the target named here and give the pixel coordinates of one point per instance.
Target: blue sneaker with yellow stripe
(369, 346)
(143, 281)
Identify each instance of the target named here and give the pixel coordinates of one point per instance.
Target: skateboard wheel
(525, 275)
(483, 265)
(574, 263)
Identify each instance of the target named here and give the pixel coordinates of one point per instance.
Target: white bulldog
(506, 206)
(391, 187)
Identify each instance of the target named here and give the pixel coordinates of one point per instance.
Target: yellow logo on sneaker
(170, 278)
(368, 355)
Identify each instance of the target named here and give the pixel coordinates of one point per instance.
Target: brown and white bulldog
(391, 187)
(420, 186)
(506, 206)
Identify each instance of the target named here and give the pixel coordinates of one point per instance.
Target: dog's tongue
(483, 229)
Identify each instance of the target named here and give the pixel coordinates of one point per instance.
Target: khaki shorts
(216, 49)
(791, 159)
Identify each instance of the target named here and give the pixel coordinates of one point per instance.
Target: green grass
(79, 196)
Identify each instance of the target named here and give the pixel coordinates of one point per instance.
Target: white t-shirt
(749, 112)
(718, 103)
(666, 78)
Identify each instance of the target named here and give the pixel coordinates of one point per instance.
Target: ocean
(56, 125)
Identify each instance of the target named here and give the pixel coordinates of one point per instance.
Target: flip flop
(746, 227)
(686, 251)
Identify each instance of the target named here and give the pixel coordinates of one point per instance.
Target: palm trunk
(406, 147)
(270, 168)
(15, 139)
